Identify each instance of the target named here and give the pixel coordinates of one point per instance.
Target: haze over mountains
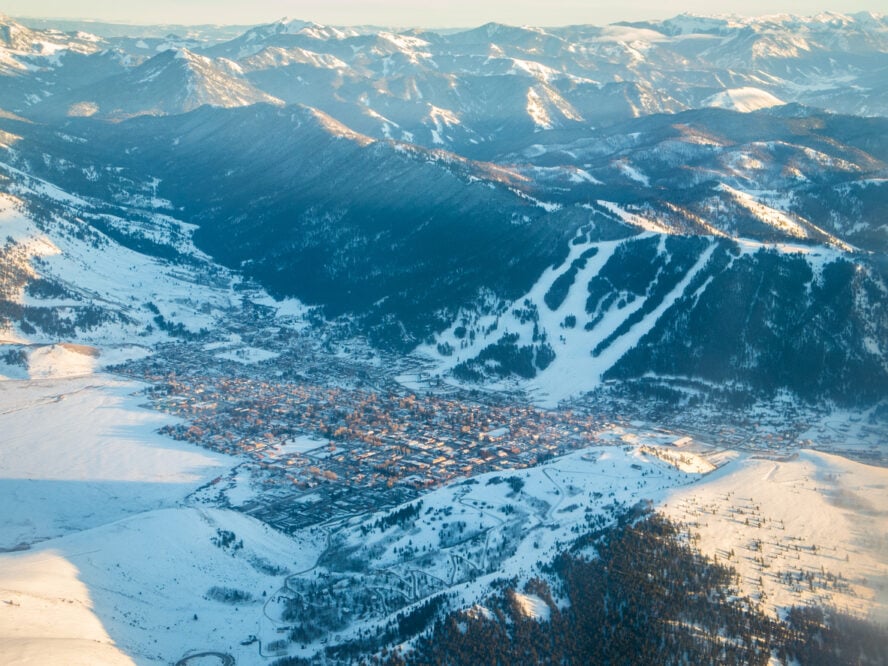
(692, 200)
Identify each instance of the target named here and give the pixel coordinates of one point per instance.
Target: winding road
(224, 658)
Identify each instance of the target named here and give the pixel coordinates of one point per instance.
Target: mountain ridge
(413, 185)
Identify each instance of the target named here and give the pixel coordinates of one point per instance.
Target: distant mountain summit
(174, 81)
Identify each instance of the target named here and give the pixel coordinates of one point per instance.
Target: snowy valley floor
(112, 557)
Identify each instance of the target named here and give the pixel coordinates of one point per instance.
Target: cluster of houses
(374, 449)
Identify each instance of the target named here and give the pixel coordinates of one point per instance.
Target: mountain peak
(14, 35)
(286, 25)
(331, 126)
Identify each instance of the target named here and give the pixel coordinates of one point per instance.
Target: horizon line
(283, 19)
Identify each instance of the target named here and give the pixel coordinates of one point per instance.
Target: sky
(412, 13)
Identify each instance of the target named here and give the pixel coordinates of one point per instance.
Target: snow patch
(744, 100)
(61, 360)
(531, 606)
(633, 173)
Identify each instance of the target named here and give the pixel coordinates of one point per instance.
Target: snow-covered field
(139, 590)
(78, 453)
(52, 362)
(814, 514)
(105, 563)
(532, 606)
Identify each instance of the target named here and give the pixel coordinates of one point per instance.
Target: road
(224, 658)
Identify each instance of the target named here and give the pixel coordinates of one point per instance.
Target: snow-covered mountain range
(463, 89)
(692, 201)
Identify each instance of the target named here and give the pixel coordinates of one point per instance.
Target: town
(328, 436)
(366, 449)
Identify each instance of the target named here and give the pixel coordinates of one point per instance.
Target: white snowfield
(745, 99)
(103, 563)
(814, 514)
(532, 606)
(136, 591)
(78, 453)
(54, 361)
